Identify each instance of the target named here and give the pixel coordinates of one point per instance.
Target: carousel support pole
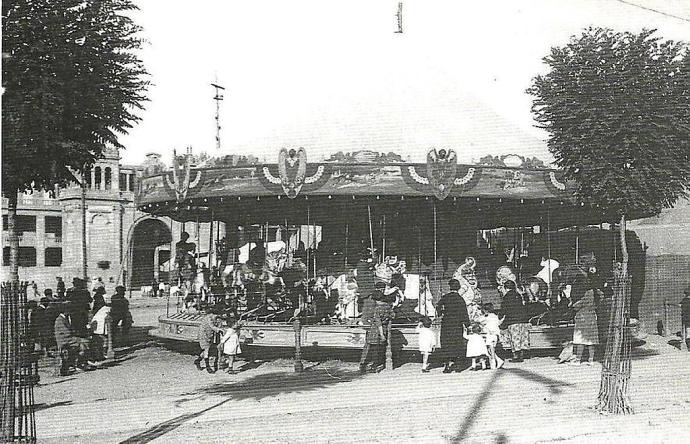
(548, 241)
(210, 241)
(577, 245)
(435, 250)
(383, 236)
(389, 347)
(315, 248)
(297, 325)
(347, 238)
(110, 353)
(371, 233)
(198, 295)
(308, 245)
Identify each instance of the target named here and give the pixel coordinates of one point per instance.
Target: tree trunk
(83, 229)
(615, 372)
(13, 235)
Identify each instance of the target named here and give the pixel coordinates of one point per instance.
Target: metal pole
(371, 232)
(435, 251)
(383, 235)
(347, 238)
(210, 241)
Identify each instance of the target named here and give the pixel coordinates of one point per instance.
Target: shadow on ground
(256, 387)
(554, 386)
(46, 406)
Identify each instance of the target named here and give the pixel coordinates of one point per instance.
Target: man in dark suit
(80, 305)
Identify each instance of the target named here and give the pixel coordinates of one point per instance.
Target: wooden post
(299, 367)
(110, 353)
(389, 348)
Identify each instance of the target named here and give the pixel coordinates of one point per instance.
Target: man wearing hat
(80, 300)
(119, 310)
(685, 317)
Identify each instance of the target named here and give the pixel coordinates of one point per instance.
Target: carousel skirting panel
(184, 327)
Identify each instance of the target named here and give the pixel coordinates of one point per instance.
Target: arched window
(97, 179)
(108, 178)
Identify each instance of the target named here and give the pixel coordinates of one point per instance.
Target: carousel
(305, 240)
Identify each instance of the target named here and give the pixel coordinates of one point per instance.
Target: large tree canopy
(617, 107)
(72, 83)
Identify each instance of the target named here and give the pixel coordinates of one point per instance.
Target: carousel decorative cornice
(182, 185)
(512, 161)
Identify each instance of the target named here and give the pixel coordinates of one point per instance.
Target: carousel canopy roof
(365, 174)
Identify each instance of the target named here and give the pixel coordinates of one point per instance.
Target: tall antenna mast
(218, 97)
(399, 16)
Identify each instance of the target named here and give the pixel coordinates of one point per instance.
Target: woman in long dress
(586, 332)
(453, 310)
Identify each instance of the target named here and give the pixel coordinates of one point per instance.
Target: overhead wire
(654, 10)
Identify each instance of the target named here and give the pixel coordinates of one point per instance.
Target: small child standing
(427, 341)
(207, 333)
(492, 330)
(476, 347)
(230, 342)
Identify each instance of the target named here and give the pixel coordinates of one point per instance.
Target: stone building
(123, 245)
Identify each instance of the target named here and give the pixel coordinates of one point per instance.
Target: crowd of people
(71, 324)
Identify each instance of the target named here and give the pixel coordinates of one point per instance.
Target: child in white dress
(476, 347)
(427, 341)
(231, 345)
(492, 330)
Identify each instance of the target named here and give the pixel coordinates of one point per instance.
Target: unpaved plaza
(154, 394)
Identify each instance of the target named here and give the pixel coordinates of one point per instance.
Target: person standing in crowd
(119, 310)
(44, 318)
(99, 328)
(208, 331)
(230, 344)
(426, 341)
(476, 346)
(154, 288)
(586, 332)
(98, 299)
(68, 341)
(34, 290)
(375, 319)
(491, 325)
(60, 289)
(515, 320)
(454, 319)
(685, 317)
(80, 302)
(364, 275)
(97, 283)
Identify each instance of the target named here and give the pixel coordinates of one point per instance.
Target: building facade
(123, 245)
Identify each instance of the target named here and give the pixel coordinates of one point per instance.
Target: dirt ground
(153, 392)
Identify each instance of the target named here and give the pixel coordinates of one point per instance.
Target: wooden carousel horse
(465, 274)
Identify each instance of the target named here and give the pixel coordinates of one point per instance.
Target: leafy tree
(617, 107)
(71, 86)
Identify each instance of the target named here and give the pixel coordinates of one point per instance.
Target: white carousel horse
(417, 288)
(548, 267)
(347, 296)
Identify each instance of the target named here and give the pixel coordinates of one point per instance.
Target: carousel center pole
(435, 251)
(371, 232)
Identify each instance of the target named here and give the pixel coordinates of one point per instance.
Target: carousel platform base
(184, 327)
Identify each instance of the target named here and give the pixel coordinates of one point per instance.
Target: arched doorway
(150, 253)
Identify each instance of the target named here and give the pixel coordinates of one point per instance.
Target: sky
(334, 76)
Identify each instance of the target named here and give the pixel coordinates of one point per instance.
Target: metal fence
(19, 372)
